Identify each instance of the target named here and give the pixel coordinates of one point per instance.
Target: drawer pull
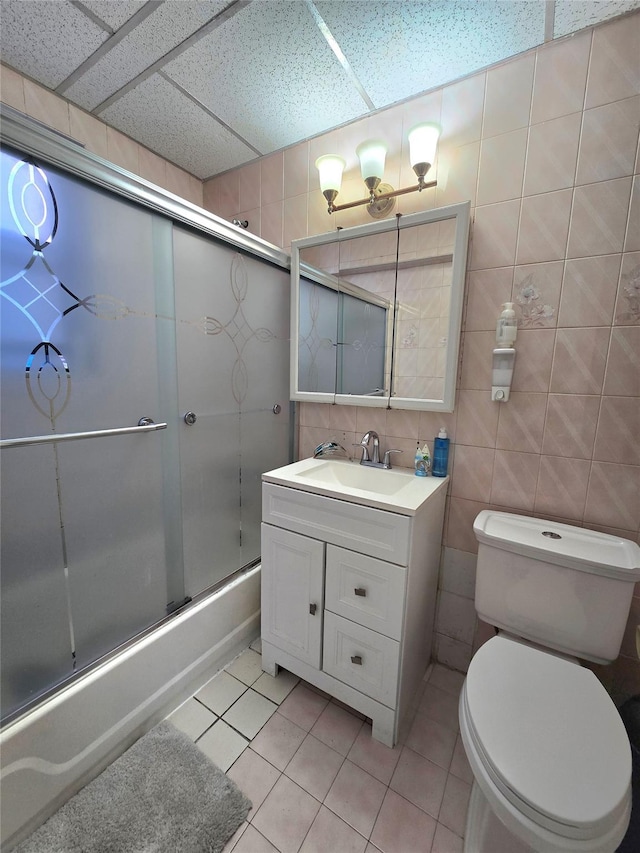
(357, 659)
(312, 609)
(360, 590)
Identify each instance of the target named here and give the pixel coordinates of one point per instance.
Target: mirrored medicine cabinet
(376, 311)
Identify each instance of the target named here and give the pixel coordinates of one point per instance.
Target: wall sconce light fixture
(423, 140)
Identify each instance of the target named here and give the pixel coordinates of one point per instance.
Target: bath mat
(161, 796)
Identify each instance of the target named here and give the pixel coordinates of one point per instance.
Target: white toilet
(550, 756)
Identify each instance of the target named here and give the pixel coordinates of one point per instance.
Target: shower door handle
(144, 425)
(190, 418)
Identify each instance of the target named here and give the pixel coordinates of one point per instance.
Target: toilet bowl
(549, 753)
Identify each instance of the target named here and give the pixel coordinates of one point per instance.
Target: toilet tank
(564, 587)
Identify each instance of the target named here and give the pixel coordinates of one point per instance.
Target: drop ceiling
(213, 84)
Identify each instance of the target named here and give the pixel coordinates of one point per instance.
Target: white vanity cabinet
(348, 596)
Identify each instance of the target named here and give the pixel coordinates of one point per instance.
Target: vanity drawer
(370, 531)
(361, 658)
(365, 590)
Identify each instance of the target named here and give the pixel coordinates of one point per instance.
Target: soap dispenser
(507, 326)
(440, 454)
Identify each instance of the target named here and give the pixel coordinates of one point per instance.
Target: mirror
(376, 311)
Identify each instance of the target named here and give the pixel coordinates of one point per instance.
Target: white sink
(398, 490)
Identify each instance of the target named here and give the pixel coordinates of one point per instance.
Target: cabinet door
(293, 593)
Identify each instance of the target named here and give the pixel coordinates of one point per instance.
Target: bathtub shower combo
(145, 359)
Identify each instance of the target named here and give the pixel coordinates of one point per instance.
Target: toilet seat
(548, 738)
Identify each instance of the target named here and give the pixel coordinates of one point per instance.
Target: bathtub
(51, 752)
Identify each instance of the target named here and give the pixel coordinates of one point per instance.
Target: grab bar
(144, 425)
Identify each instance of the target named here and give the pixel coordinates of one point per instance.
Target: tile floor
(317, 780)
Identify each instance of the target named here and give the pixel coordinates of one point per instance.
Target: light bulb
(371, 155)
(423, 140)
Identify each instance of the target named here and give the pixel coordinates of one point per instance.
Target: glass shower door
(232, 315)
(83, 544)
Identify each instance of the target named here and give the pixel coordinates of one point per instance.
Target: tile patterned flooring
(317, 780)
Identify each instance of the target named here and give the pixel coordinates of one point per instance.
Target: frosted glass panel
(36, 640)
(233, 355)
(318, 330)
(362, 349)
(79, 354)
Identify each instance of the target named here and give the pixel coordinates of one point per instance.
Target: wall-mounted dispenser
(504, 356)
(504, 359)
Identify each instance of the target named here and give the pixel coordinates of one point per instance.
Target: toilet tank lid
(561, 544)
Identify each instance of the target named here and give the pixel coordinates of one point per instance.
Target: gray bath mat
(161, 796)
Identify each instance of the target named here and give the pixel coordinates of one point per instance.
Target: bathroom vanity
(350, 560)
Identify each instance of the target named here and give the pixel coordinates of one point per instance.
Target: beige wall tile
(228, 194)
(623, 365)
(536, 294)
(46, 107)
(508, 96)
(487, 290)
(562, 487)
(560, 78)
(589, 291)
(457, 174)
(544, 225)
(294, 224)
(579, 361)
(476, 360)
(271, 223)
(178, 181)
(249, 185)
(514, 479)
(154, 168)
(472, 473)
(459, 529)
(570, 425)
(534, 358)
(599, 218)
(122, 151)
(272, 178)
(211, 195)
(609, 141)
(494, 235)
(12, 88)
(296, 170)
(613, 497)
(89, 130)
(502, 167)
(617, 438)
(628, 302)
(477, 422)
(614, 70)
(552, 154)
(632, 239)
(521, 422)
(462, 108)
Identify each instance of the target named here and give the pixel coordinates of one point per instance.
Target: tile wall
(28, 97)
(546, 147)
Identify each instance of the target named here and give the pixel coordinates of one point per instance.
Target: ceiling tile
(399, 49)
(34, 39)
(114, 14)
(154, 37)
(162, 118)
(269, 73)
(572, 15)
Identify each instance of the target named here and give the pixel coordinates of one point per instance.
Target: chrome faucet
(329, 448)
(364, 444)
(373, 461)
